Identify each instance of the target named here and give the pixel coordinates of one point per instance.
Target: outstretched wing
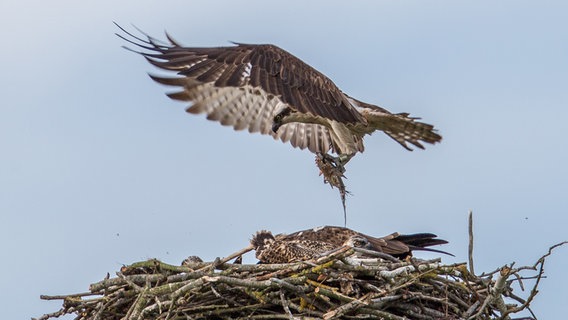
(245, 86)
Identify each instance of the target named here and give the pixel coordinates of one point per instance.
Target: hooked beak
(275, 127)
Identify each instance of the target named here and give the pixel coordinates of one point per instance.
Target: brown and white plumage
(263, 88)
(270, 249)
(311, 243)
(395, 244)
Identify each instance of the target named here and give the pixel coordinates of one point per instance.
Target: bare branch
(470, 246)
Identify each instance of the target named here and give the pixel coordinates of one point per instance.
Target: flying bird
(263, 88)
(311, 243)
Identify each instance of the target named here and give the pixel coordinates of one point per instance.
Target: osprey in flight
(263, 88)
(310, 244)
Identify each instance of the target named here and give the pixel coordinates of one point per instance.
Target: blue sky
(99, 168)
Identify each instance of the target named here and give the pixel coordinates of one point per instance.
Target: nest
(337, 285)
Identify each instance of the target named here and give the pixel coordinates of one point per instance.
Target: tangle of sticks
(338, 285)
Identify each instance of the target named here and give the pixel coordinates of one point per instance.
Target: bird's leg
(338, 162)
(343, 159)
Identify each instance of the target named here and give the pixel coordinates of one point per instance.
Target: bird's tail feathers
(401, 245)
(420, 239)
(405, 129)
(421, 242)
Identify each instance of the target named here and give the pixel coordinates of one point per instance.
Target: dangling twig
(333, 175)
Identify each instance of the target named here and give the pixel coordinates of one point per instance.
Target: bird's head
(358, 242)
(262, 239)
(280, 119)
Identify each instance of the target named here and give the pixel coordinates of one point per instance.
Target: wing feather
(212, 74)
(239, 73)
(247, 108)
(180, 96)
(299, 135)
(274, 70)
(230, 71)
(196, 69)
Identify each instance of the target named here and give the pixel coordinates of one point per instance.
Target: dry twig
(470, 246)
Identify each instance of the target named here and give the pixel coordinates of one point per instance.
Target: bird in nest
(313, 243)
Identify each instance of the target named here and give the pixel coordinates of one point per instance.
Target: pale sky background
(98, 168)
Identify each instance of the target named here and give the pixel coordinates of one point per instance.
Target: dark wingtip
(422, 241)
(413, 248)
(148, 43)
(168, 81)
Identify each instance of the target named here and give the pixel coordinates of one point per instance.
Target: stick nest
(334, 286)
